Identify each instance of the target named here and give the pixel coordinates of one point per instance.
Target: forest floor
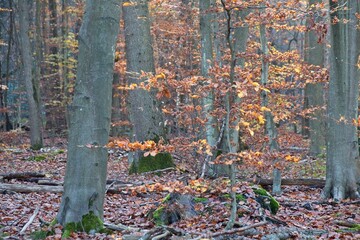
(302, 215)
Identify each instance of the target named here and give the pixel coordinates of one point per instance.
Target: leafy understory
(301, 213)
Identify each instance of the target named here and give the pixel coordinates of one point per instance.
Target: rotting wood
(22, 175)
(22, 188)
(291, 182)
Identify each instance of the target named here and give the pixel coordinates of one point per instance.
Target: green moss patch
(42, 234)
(157, 216)
(89, 223)
(239, 197)
(37, 158)
(266, 200)
(354, 228)
(200, 200)
(150, 163)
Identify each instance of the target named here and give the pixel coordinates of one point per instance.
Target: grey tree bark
(270, 128)
(6, 60)
(90, 111)
(31, 84)
(343, 164)
(206, 62)
(144, 111)
(314, 92)
(207, 59)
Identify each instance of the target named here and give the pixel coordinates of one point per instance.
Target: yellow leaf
(261, 120)
(242, 94)
(160, 76)
(245, 124)
(195, 96)
(256, 85)
(251, 132)
(128, 4)
(266, 90)
(226, 75)
(263, 109)
(297, 70)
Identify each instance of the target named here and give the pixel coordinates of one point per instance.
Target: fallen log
(22, 188)
(291, 182)
(22, 175)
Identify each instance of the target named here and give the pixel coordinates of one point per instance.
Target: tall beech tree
(314, 92)
(85, 177)
(31, 83)
(144, 111)
(343, 163)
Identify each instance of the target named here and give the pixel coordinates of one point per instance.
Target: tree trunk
(85, 177)
(206, 32)
(144, 111)
(343, 165)
(53, 28)
(270, 128)
(314, 97)
(32, 85)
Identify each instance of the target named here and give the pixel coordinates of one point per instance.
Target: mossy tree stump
(151, 163)
(174, 207)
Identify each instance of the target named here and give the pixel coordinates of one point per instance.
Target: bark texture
(314, 92)
(31, 84)
(85, 177)
(343, 165)
(143, 107)
(207, 59)
(144, 111)
(270, 128)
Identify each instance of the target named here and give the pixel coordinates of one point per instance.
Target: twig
(109, 186)
(121, 227)
(353, 202)
(162, 236)
(232, 231)
(161, 170)
(347, 224)
(30, 221)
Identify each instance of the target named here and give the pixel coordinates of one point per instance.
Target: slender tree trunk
(343, 164)
(206, 21)
(32, 85)
(314, 92)
(3, 93)
(53, 27)
(270, 128)
(90, 112)
(144, 111)
(116, 115)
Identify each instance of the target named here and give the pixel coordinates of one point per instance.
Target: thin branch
(30, 221)
(232, 231)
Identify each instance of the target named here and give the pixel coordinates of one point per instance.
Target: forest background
(238, 90)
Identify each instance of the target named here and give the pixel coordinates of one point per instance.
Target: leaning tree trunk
(85, 177)
(343, 164)
(32, 85)
(314, 92)
(144, 110)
